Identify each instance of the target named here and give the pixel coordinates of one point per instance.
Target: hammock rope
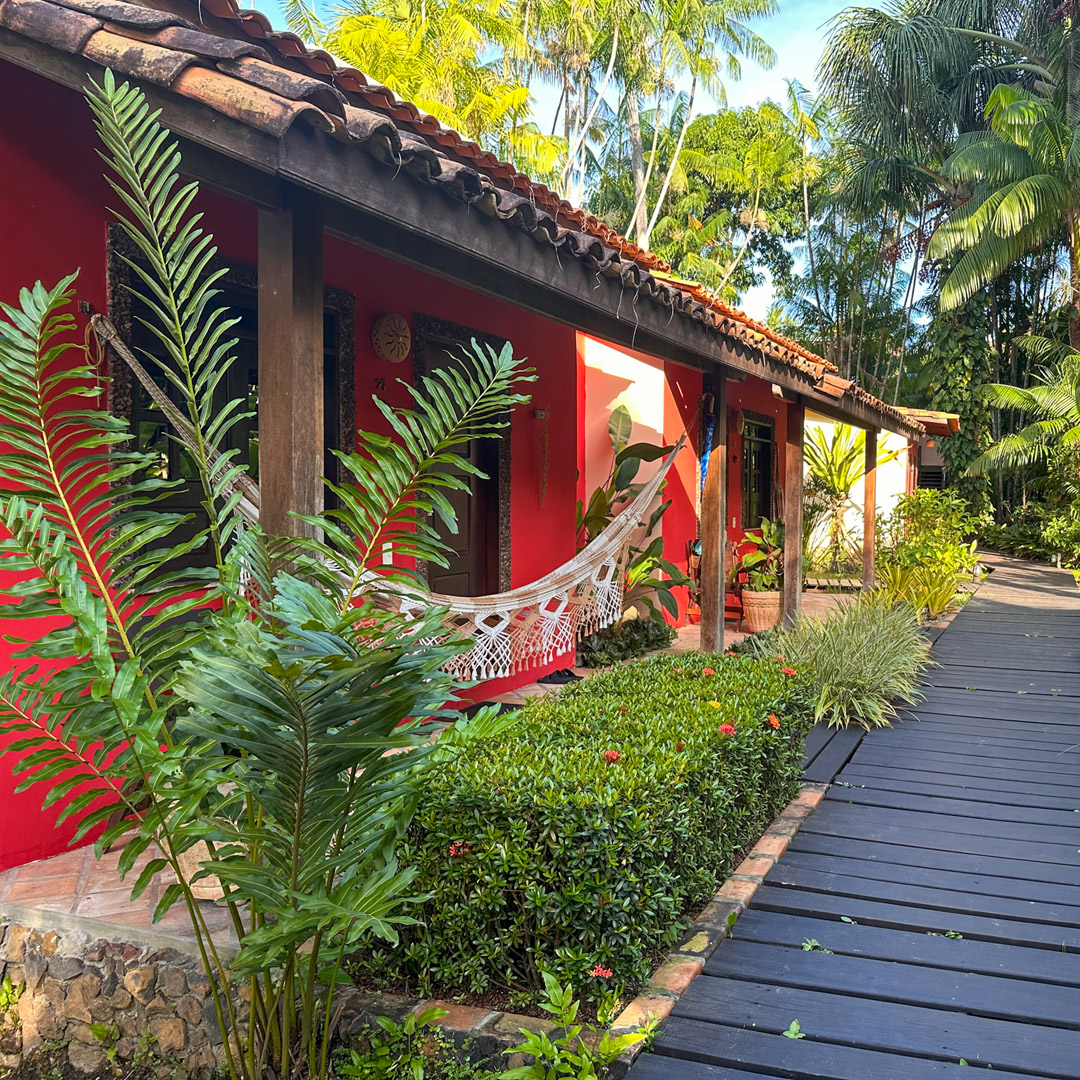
(510, 631)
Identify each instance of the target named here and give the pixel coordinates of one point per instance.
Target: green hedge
(584, 835)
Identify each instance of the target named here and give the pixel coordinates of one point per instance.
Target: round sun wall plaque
(391, 338)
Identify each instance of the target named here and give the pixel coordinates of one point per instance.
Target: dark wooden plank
(978, 678)
(922, 919)
(688, 1044)
(819, 735)
(655, 1067)
(936, 898)
(834, 756)
(933, 804)
(1052, 843)
(995, 704)
(878, 1025)
(1048, 772)
(1003, 793)
(1015, 727)
(930, 735)
(989, 885)
(1020, 964)
(909, 984)
(985, 750)
(910, 855)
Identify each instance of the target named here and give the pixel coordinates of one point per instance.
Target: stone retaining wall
(155, 1003)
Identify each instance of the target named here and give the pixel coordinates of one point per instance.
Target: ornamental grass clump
(579, 841)
(862, 658)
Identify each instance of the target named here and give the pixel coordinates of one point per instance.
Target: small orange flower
(680, 746)
(774, 721)
(726, 729)
(788, 671)
(611, 756)
(707, 671)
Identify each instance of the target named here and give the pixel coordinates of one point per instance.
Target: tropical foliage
(245, 705)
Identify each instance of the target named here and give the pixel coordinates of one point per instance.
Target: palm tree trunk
(1073, 220)
(672, 166)
(640, 220)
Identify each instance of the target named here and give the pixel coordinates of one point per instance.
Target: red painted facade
(53, 219)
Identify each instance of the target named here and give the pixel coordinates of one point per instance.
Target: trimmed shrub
(581, 838)
(624, 641)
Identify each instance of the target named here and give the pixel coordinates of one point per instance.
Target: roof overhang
(938, 424)
(452, 222)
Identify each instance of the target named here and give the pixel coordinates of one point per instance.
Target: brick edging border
(489, 1031)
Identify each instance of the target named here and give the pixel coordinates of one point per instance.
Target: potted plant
(762, 567)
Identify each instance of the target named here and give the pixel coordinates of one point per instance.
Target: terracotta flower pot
(761, 609)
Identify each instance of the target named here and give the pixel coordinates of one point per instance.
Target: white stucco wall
(891, 476)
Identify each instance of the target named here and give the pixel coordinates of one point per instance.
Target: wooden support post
(291, 436)
(713, 526)
(793, 507)
(869, 509)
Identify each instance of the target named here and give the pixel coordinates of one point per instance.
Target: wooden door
(473, 559)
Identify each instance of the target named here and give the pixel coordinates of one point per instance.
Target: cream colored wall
(614, 378)
(891, 476)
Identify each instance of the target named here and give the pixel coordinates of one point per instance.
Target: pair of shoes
(558, 678)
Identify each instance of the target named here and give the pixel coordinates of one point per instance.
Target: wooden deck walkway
(942, 873)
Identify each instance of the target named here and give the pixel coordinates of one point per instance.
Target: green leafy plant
(414, 1049)
(624, 641)
(794, 1031)
(929, 528)
(761, 558)
(245, 704)
(645, 588)
(570, 1054)
(10, 993)
(861, 658)
(813, 945)
(577, 843)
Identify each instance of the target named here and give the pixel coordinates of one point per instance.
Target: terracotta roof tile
(232, 60)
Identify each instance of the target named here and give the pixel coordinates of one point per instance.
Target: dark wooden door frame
(426, 330)
(122, 383)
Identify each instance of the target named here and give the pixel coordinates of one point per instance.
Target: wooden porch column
(793, 507)
(869, 509)
(713, 526)
(291, 437)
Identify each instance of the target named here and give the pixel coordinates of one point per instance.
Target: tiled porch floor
(76, 884)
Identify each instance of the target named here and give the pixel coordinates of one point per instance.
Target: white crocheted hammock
(511, 631)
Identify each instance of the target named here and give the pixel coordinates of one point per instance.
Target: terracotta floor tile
(52, 889)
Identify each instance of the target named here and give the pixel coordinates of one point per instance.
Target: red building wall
(53, 220)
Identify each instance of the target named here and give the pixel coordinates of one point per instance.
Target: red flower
(680, 746)
(726, 729)
(774, 720)
(788, 671)
(601, 972)
(707, 671)
(460, 847)
(611, 756)
(781, 659)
